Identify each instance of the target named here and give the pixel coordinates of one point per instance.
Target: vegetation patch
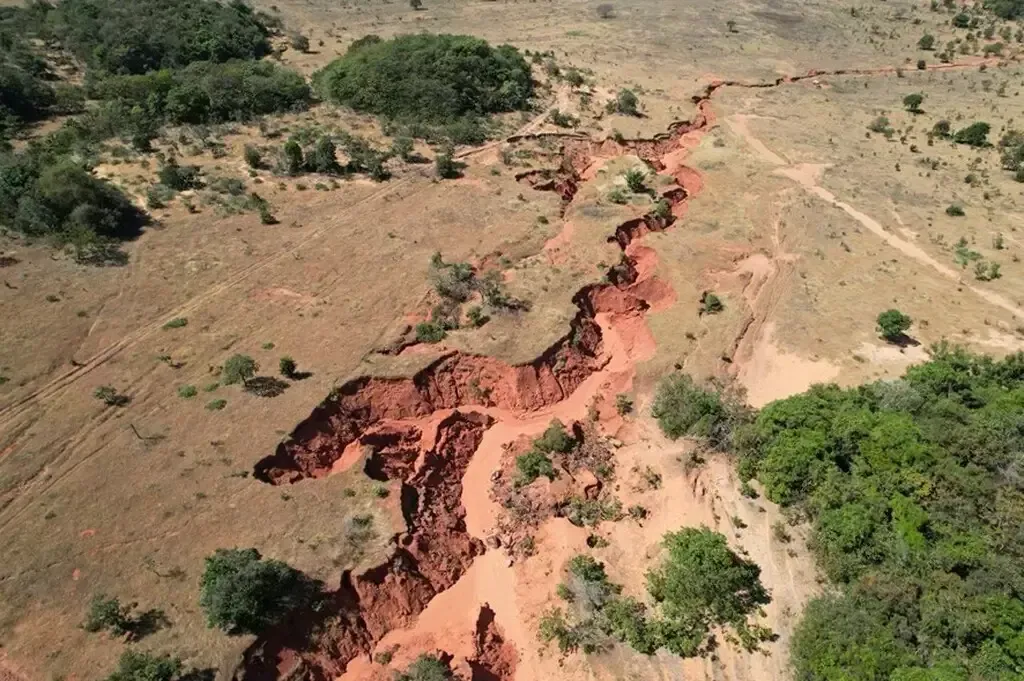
(428, 79)
(916, 509)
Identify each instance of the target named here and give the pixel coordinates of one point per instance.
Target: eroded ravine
(465, 390)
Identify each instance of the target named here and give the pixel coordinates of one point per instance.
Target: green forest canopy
(915, 490)
(428, 78)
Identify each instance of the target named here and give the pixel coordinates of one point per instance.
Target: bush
(216, 405)
(623, 404)
(555, 439)
(299, 42)
(892, 324)
(912, 102)
(974, 135)
(683, 409)
(287, 367)
(447, 168)
(187, 391)
(430, 332)
(108, 613)
(110, 397)
(605, 11)
(955, 210)
(238, 369)
(242, 593)
(532, 465)
(941, 128)
(426, 668)
(139, 666)
(179, 178)
(176, 323)
(927, 42)
(635, 178)
(434, 79)
(253, 156)
(626, 102)
(710, 303)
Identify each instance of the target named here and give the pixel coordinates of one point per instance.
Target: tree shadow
(265, 386)
(207, 674)
(145, 623)
(902, 341)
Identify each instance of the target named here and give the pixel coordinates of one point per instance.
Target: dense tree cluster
(428, 79)
(203, 92)
(109, 36)
(915, 491)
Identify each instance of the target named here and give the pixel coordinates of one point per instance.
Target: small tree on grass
(287, 367)
(242, 593)
(893, 324)
(447, 167)
(927, 42)
(974, 135)
(238, 369)
(532, 465)
(253, 156)
(110, 614)
(913, 102)
(626, 102)
(293, 160)
(137, 666)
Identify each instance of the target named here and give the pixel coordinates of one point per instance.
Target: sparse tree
(626, 102)
(287, 367)
(324, 157)
(893, 324)
(416, 5)
(913, 102)
(299, 42)
(238, 369)
(731, 25)
(635, 178)
(110, 397)
(110, 614)
(447, 168)
(927, 42)
(138, 666)
(253, 157)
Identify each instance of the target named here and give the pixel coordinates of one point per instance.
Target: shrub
(110, 397)
(555, 439)
(626, 102)
(974, 135)
(430, 332)
(426, 668)
(710, 303)
(176, 323)
(662, 209)
(187, 391)
(532, 465)
(216, 405)
(140, 666)
(961, 20)
(912, 102)
(623, 404)
(635, 178)
(292, 158)
(927, 42)
(954, 210)
(238, 369)
(240, 592)
(881, 125)
(605, 11)
(436, 79)
(108, 613)
(179, 178)
(253, 156)
(892, 324)
(921, 64)
(684, 409)
(324, 158)
(287, 367)
(941, 128)
(447, 168)
(618, 195)
(299, 42)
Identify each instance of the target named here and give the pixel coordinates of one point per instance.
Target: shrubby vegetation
(242, 593)
(109, 36)
(429, 80)
(700, 584)
(913, 488)
(537, 461)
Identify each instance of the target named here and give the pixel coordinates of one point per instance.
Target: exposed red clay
(436, 548)
(430, 556)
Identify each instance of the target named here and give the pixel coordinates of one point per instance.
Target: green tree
(287, 367)
(324, 158)
(253, 156)
(293, 158)
(140, 666)
(532, 465)
(426, 668)
(240, 592)
(447, 168)
(635, 179)
(893, 324)
(927, 42)
(110, 614)
(626, 102)
(912, 102)
(975, 135)
(238, 369)
(682, 408)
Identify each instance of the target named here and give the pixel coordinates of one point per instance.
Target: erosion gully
(425, 430)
